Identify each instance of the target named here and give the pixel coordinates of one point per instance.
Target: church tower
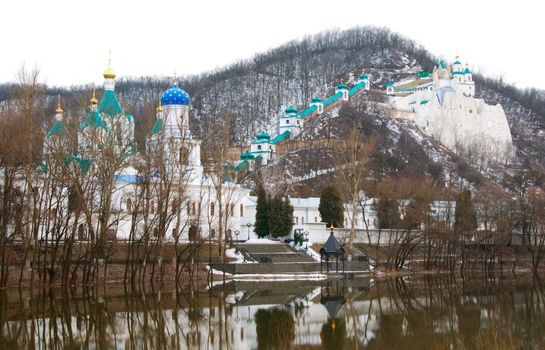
(173, 123)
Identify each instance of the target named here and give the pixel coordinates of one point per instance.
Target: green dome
(291, 110)
(246, 156)
(390, 83)
(467, 71)
(423, 74)
(364, 76)
(457, 62)
(263, 135)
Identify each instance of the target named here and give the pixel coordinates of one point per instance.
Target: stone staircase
(281, 258)
(273, 253)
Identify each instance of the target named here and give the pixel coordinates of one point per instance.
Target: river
(414, 312)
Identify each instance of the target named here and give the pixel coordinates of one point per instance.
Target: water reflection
(420, 312)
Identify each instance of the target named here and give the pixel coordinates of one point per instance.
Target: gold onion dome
(59, 109)
(94, 100)
(159, 108)
(109, 73)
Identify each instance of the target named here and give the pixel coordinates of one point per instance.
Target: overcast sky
(69, 39)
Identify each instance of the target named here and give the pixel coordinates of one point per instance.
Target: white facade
(449, 112)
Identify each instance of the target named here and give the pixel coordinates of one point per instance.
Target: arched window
(287, 121)
(193, 209)
(212, 207)
(302, 220)
(259, 147)
(241, 210)
(129, 205)
(232, 209)
(188, 208)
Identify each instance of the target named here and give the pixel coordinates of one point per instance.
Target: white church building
(444, 106)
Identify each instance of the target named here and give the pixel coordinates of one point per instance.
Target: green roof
(457, 62)
(454, 73)
(332, 99)
(364, 76)
(241, 166)
(356, 88)
(57, 128)
(390, 83)
(423, 102)
(308, 111)
(442, 63)
(315, 100)
(94, 120)
(341, 87)
(157, 126)
(109, 104)
(291, 110)
(278, 138)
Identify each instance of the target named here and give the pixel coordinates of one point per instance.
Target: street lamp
(248, 225)
(306, 236)
(237, 232)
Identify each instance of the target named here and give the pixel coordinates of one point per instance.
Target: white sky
(69, 39)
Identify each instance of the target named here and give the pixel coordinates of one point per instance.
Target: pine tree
(465, 215)
(331, 206)
(262, 213)
(280, 217)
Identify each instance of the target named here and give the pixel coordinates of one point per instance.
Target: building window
(315, 219)
(259, 147)
(241, 210)
(302, 220)
(193, 208)
(232, 210)
(189, 208)
(287, 121)
(152, 206)
(213, 233)
(297, 220)
(212, 207)
(129, 205)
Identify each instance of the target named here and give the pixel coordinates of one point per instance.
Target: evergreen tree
(262, 213)
(280, 217)
(331, 206)
(465, 216)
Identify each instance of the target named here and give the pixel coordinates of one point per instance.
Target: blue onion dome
(175, 96)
